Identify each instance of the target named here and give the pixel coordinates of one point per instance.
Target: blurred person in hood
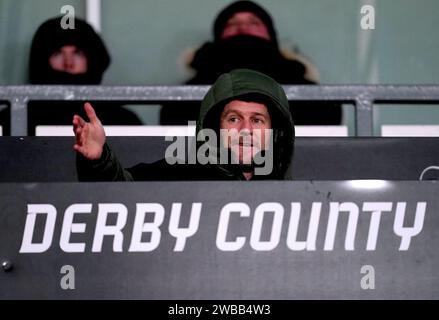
(70, 57)
(245, 37)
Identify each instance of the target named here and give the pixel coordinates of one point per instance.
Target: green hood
(249, 85)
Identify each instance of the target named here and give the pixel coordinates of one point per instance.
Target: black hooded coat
(250, 52)
(49, 38)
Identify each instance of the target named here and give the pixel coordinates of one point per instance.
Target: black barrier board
(52, 159)
(359, 239)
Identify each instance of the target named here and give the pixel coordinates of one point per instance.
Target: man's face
(245, 23)
(244, 129)
(69, 59)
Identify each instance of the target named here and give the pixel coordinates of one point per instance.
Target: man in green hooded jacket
(244, 132)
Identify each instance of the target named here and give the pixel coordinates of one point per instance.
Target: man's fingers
(78, 132)
(78, 120)
(79, 149)
(91, 114)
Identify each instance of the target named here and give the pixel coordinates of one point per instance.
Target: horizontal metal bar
(361, 96)
(125, 93)
(194, 93)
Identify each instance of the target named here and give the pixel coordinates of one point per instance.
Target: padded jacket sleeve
(107, 168)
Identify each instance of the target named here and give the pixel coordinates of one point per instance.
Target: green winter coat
(239, 84)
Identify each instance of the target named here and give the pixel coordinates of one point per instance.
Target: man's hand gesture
(89, 136)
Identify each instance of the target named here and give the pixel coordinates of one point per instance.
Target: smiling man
(245, 129)
(244, 132)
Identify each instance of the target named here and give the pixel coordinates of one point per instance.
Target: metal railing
(362, 97)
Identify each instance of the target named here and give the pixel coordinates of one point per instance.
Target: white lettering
(27, 246)
(276, 227)
(406, 234)
(102, 229)
(181, 234)
(141, 227)
(310, 243)
(334, 209)
(69, 227)
(244, 211)
(376, 208)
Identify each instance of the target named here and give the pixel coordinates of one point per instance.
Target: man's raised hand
(89, 136)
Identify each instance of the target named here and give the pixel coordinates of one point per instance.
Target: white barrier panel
(301, 131)
(410, 131)
(94, 14)
(1, 131)
(321, 131)
(121, 131)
